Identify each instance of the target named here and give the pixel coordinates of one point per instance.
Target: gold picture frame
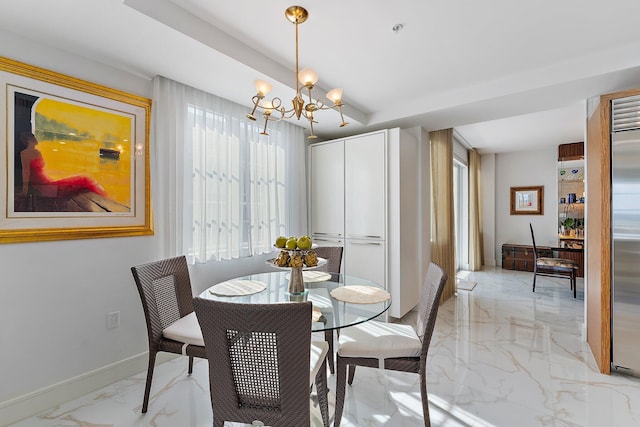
(76, 157)
(527, 200)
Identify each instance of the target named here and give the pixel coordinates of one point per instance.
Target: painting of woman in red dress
(35, 178)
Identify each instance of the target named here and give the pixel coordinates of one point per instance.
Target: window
(233, 190)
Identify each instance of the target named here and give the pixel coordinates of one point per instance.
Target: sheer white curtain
(224, 190)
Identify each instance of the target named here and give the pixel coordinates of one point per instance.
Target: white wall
(54, 296)
(488, 201)
(519, 169)
(425, 196)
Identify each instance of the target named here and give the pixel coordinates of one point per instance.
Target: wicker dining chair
(333, 255)
(262, 363)
(392, 346)
(167, 301)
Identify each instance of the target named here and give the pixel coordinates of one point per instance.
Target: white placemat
(312, 276)
(234, 288)
(358, 294)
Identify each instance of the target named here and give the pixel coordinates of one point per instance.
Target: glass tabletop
(334, 313)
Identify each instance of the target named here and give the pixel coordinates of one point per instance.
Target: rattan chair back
(258, 361)
(432, 289)
(333, 255)
(166, 296)
(165, 291)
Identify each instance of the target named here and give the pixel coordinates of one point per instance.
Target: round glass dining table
(335, 313)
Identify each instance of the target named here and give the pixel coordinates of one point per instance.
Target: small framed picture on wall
(527, 200)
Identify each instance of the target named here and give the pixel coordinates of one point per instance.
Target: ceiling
(507, 76)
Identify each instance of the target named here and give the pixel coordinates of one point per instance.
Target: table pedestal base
(296, 282)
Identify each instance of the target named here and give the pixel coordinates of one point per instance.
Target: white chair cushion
(379, 340)
(186, 330)
(315, 416)
(319, 350)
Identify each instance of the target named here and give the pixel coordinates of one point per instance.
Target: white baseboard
(490, 262)
(32, 403)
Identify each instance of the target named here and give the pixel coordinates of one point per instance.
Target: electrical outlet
(113, 320)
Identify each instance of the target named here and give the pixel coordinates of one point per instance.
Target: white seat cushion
(315, 416)
(186, 330)
(319, 350)
(379, 340)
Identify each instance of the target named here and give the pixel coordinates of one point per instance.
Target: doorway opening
(461, 213)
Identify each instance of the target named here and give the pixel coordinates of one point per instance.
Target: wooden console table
(520, 257)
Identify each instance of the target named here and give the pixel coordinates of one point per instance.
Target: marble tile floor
(500, 356)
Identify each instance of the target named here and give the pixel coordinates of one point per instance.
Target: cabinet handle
(317, 233)
(327, 240)
(366, 243)
(364, 236)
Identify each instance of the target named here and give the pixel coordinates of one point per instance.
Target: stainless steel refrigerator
(625, 229)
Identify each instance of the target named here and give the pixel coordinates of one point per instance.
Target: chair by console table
(574, 254)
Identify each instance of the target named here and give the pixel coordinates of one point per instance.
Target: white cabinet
(327, 189)
(365, 258)
(365, 186)
(365, 190)
(404, 242)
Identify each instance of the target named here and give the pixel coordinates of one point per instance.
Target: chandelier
(274, 111)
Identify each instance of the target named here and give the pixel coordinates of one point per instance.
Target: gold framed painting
(527, 200)
(76, 156)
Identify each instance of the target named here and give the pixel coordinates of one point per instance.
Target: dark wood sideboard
(520, 257)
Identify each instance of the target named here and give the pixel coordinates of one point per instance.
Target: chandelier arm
(322, 106)
(270, 115)
(342, 122)
(288, 114)
(266, 120)
(256, 103)
(311, 122)
(309, 89)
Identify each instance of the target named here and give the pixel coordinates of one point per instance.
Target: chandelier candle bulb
(308, 77)
(262, 87)
(335, 95)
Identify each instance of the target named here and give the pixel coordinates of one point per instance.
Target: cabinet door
(365, 258)
(365, 187)
(327, 189)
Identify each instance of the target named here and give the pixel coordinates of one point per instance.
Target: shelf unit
(570, 181)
